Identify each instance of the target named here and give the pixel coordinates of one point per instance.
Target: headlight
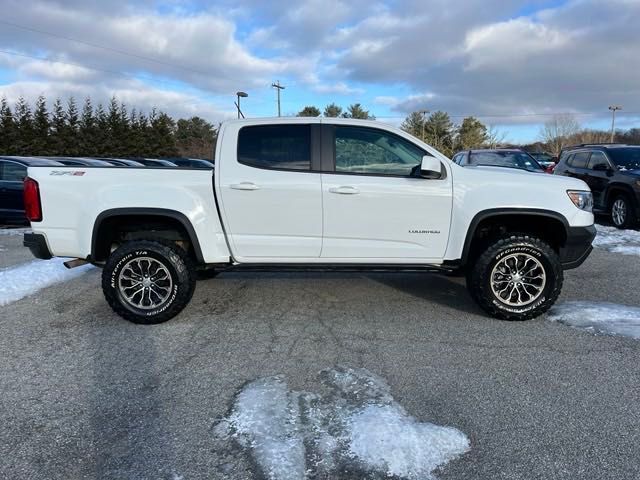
(581, 199)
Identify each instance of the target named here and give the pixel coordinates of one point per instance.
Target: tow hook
(77, 262)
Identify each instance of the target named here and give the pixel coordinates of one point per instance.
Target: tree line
(436, 129)
(96, 131)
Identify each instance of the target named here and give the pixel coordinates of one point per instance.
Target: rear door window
(580, 160)
(280, 147)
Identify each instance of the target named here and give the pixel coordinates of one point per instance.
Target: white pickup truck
(313, 193)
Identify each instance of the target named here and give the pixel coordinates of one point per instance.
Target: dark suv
(612, 171)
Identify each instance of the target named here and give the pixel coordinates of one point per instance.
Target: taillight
(32, 206)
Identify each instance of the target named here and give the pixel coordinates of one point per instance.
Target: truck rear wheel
(516, 278)
(148, 281)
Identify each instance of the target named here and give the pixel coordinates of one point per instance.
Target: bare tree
(494, 137)
(590, 136)
(557, 132)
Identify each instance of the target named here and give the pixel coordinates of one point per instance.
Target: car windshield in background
(519, 160)
(626, 158)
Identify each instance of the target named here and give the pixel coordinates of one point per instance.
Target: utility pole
(613, 109)
(424, 120)
(278, 87)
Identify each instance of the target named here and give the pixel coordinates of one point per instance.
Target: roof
(31, 160)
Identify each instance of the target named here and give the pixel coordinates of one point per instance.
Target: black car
(191, 162)
(499, 157)
(80, 162)
(13, 171)
(122, 162)
(612, 171)
(155, 162)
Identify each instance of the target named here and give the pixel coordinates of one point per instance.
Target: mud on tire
(516, 278)
(148, 261)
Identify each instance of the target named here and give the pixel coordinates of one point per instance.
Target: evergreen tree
(439, 132)
(415, 125)
(356, 111)
(87, 130)
(162, 136)
(102, 144)
(8, 131)
(308, 111)
(24, 127)
(471, 134)
(71, 130)
(58, 144)
(195, 137)
(40, 143)
(332, 110)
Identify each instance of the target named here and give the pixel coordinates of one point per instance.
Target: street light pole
(240, 95)
(278, 87)
(613, 109)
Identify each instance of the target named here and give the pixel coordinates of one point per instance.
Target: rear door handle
(345, 190)
(245, 186)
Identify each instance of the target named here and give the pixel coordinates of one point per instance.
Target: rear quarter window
(280, 147)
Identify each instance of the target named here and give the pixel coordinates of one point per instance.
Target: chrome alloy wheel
(619, 212)
(518, 279)
(145, 283)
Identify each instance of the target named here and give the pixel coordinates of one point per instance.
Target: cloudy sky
(508, 62)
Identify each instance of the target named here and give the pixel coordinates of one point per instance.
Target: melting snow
(354, 428)
(618, 241)
(597, 317)
(22, 280)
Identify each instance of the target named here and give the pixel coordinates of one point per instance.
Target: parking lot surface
(86, 394)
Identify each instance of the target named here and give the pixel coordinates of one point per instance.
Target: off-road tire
(479, 279)
(172, 257)
(631, 214)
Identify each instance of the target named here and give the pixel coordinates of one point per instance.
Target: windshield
(519, 160)
(626, 158)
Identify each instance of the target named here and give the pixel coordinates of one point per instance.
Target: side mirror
(430, 167)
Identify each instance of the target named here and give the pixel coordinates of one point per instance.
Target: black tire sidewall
(539, 255)
(479, 282)
(179, 269)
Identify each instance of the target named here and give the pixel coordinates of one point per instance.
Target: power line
(519, 115)
(104, 47)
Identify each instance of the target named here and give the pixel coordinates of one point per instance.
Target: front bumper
(37, 243)
(577, 247)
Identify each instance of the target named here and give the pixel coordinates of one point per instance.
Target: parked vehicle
(612, 171)
(80, 162)
(155, 162)
(191, 162)
(314, 193)
(13, 171)
(122, 162)
(502, 157)
(547, 160)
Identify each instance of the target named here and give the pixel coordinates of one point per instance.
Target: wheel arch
(549, 225)
(102, 236)
(618, 188)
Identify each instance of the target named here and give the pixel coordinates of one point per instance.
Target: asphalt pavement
(88, 395)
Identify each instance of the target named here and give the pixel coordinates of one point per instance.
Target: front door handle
(345, 190)
(245, 186)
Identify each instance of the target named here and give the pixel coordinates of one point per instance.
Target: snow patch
(14, 231)
(599, 317)
(615, 240)
(354, 428)
(26, 279)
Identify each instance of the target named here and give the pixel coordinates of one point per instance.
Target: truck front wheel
(516, 278)
(148, 281)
